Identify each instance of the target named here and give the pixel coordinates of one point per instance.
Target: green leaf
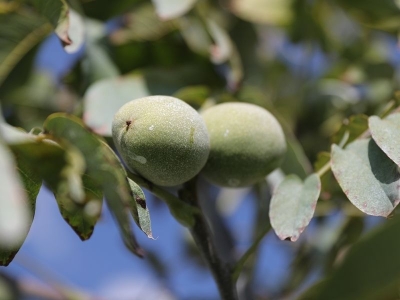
(78, 196)
(82, 217)
(367, 176)
(274, 12)
(195, 35)
(56, 12)
(19, 33)
(293, 204)
(142, 24)
(386, 134)
(9, 288)
(194, 95)
(31, 182)
(370, 270)
(351, 129)
(322, 167)
(171, 9)
(222, 47)
(102, 166)
(139, 209)
(97, 64)
(350, 231)
(15, 211)
(71, 198)
(384, 15)
(103, 99)
(296, 161)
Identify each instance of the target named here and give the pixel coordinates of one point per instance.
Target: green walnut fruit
(162, 138)
(247, 143)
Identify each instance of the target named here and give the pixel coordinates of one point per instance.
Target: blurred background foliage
(319, 66)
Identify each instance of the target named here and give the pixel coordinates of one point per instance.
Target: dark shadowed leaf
(386, 134)
(367, 176)
(382, 16)
(9, 288)
(103, 99)
(57, 13)
(19, 33)
(293, 205)
(349, 232)
(139, 209)
(171, 9)
(351, 129)
(102, 166)
(370, 270)
(15, 209)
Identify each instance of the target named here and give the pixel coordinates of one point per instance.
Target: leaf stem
(321, 172)
(239, 265)
(203, 238)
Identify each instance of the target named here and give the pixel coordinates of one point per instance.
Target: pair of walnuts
(168, 142)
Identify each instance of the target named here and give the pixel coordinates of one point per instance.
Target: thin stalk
(202, 236)
(189, 206)
(240, 264)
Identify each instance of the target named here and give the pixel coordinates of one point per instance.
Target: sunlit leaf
(103, 99)
(293, 204)
(367, 176)
(31, 182)
(386, 134)
(15, 210)
(102, 166)
(76, 32)
(19, 33)
(275, 12)
(170, 9)
(370, 270)
(221, 49)
(195, 35)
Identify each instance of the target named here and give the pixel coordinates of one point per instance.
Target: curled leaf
(386, 134)
(367, 176)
